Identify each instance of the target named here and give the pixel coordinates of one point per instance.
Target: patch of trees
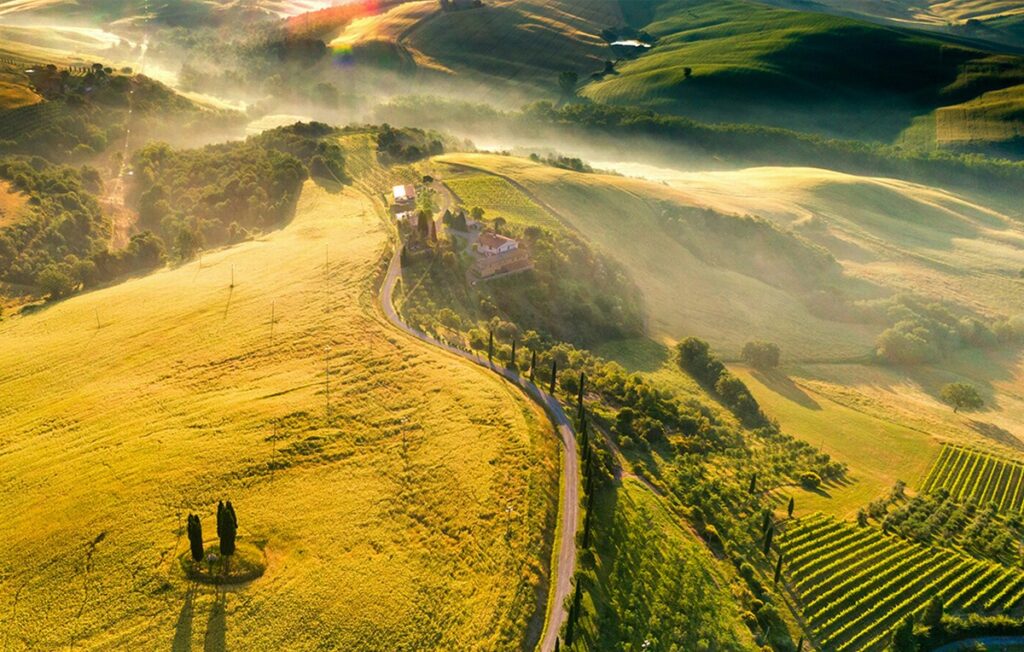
(86, 115)
(564, 162)
(921, 331)
(573, 294)
(216, 195)
(695, 358)
(407, 145)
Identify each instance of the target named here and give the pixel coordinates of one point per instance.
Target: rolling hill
(405, 500)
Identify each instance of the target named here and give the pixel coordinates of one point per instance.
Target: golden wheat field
(404, 501)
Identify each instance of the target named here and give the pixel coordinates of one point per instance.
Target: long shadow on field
(183, 628)
(784, 386)
(995, 433)
(217, 627)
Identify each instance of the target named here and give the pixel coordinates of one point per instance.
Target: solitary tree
(932, 615)
(761, 355)
(227, 528)
(961, 396)
(554, 374)
(778, 569)
(792, 504)
(753, 484)
(567, 83)
(490, 347)
(768, 539)
(512, 358)
(579, 398)
(903, 639)
(195, 537)
(533, 364)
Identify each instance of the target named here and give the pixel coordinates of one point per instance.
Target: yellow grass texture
(414, 511)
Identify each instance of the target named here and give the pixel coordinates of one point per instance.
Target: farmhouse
(404, 195)
(493, 244)
(498, 255)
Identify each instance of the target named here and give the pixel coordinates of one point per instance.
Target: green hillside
(754, 63)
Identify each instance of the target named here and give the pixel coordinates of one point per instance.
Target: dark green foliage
(768, 535)
(533, 365)
(490, 347)
(810, 480)
(554, 376)
(753, 484)
(903, 639)
(761, 355)
(938, 519)
(407, 145)
(59, 242)
(932, 614)
(789, 508)
(921, 332)
(695, 357)
(195, 537)
(778, 569)
(512, 357)
(76, 124)
(961, 396)
(218, 194)
(227, 528)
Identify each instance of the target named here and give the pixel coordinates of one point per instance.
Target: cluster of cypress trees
(587, 463)
(227, 531)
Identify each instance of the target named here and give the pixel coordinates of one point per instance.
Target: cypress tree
(579, 399)
(768, 539)
(765, 521)
(556, 644)
(778, 569)
(586, 530)
(554, 374)
(490, 347)
(800, 645)
(753, 484)
(533, 364)
(512, 362)
(792, 504)
(220, 519)
(227, 528)
(195, 537)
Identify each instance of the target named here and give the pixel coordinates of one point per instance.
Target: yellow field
(11, 203)
(410, 509)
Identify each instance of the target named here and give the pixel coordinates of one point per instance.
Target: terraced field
(855, 584)
(975, 476)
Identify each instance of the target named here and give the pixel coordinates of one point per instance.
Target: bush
(810, 480)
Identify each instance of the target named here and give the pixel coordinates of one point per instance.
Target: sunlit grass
(412, 509)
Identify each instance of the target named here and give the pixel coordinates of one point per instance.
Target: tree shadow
(996, 434)
(183, 628)
(216, 626)
(784, 386)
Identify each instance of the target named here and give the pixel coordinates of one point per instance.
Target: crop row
(972, 475)
(855, 584)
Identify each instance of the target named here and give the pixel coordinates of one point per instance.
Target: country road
(566, 559)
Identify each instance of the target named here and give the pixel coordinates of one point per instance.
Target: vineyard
(855, 583)
(498, 197)
(17, 123)
(970, 475)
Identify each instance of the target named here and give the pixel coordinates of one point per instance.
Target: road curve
(566, 560)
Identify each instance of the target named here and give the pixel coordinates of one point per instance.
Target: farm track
(565, 565)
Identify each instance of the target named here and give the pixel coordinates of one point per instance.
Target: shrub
(810, 480)
(761, 355)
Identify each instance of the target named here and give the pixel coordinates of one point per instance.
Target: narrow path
(565, 564)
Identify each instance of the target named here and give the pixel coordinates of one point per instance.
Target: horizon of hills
(774, 285)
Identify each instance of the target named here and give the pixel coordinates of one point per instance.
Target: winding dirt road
(566, 545)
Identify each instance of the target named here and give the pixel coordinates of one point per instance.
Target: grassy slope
(414, 518)
(11, 203)
(900, 236)
(752, 62)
